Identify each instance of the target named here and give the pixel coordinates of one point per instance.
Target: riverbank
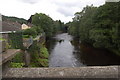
(115, 51)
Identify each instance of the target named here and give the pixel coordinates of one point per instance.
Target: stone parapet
(75, 72)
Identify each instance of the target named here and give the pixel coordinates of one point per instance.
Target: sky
(57, 9)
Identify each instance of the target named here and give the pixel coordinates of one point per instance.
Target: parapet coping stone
(64, 72)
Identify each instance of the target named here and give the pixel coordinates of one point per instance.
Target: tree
(99, 27)
(46, 23)
(106, 26)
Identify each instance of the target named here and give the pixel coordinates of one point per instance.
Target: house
(24, 26)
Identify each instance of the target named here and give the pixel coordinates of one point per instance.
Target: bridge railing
(4, 40)
(33, 73)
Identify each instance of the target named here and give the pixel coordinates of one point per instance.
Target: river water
(68, 52)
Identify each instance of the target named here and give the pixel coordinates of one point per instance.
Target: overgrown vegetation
(2, 39)
(39, 55)
(98, 26)
(16, 65)
(34, 32)
(38, 52)
(17, 61)
(16, 40)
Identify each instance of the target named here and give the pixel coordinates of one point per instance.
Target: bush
(16, 65)
(39, 55)
(30, 32)
(43, 62)
(18, 58)
(15, 40)
(44, 52)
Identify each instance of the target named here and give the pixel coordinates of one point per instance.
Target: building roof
(8, 25)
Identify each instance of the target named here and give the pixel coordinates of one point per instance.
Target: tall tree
(45, 22)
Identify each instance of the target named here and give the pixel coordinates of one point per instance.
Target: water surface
(68, 52)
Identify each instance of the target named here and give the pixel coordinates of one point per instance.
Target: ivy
(15, 40)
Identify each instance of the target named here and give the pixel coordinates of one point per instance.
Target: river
(68, 52)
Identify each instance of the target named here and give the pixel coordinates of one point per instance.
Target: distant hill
(14, 19)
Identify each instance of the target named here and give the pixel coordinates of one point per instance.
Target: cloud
(30, 1)
(65, 11)
(66, 3)
(69, 7)
(112, 0)
(57, 9)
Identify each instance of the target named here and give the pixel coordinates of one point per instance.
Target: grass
(2, 39)
(44, 52)
(44, 62)
(43, 56)
(18, 58)
(26, 36)
(17, 61)
(33, 65)
(16, 65)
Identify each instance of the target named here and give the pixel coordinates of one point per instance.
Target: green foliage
(2, 39)
(34, 31)
(26, 36)
(15, 40)
(34, 51)
(29, 32)
(38, 29)
(44, 56)
(44, 62)
(74, 28)
(82, 23)
(39, 55)
(18, 58)
(59, 26)
(44, 52)
(14, 19)
(106, 26)
(16, 65)
(17, 61)
(99, 27)
(45, 22)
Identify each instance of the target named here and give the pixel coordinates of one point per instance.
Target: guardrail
(4, 36)
(6, 32)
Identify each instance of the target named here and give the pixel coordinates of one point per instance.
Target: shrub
(30, 32)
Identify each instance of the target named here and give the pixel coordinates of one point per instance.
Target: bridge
(106, 72)
(78, 72)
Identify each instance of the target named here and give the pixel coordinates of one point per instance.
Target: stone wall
(75, 72)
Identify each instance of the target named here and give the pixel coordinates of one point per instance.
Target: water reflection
(68, 52)
(62, 53)
(61, 41)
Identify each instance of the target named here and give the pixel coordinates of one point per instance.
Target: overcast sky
(57, 9)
